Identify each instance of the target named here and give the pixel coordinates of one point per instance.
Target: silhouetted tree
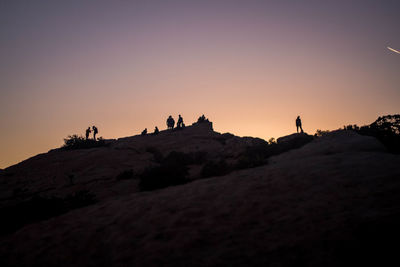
(386, 129)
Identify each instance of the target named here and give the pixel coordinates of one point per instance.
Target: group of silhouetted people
(171, 122)
(202, 118)
(88, 131)
(170, 125)
(180, 125)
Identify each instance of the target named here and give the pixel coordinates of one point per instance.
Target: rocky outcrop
(332, 202)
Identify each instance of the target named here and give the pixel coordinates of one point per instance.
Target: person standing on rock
(88, 131)
(156, 131)
(170, 122)
(95, 131)
(180, 122)
(298, 124)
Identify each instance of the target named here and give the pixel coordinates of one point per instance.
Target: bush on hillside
(320, 133)
(253, 156)
(386, 129)
(215, 168)
(172, 170)
(40, 208)
(79, 142)
(158, 156)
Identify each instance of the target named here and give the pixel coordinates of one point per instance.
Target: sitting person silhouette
(298, 124)
(156, 131)
(144, 132)
(88, 131)
(170, 122)
(95, 131)
(180, 123)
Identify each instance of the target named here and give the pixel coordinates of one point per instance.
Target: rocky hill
(326, 201)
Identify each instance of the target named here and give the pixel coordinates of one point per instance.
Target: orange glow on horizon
(251, 67)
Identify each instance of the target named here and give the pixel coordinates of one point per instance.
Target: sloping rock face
(62, 172)
(333, 202)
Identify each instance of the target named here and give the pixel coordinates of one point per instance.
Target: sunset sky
(250, 66)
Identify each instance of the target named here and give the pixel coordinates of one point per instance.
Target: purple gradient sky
(250, 66)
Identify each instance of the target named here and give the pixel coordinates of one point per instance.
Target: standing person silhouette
(88, 131)
(180, 122)
(95, 131)
(298, 124)
(170, 122)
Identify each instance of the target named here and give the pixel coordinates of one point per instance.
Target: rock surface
(333, 202)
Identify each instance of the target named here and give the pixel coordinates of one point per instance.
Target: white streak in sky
(394, 50)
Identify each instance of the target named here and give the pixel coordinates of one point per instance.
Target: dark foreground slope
(333, 202)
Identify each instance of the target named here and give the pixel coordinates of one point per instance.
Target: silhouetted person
(170, 122)
(95, 131)
(88, 131)
(156, 131)
(298, 124)
(202, 118)
(180, 123)
(144, 132)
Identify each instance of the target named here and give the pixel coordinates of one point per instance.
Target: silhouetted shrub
(172, 171)
(78, 199)
(125, 175)
(386, 129)
(158, 156)
(198, 157)
(254, 156)
(320, 133)
(177, 158)
(217, 168)
(6, 173)
(162, 176)
(40, 208)
(79, 142)
(353, 127)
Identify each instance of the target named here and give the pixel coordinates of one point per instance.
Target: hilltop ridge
(96, 169)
